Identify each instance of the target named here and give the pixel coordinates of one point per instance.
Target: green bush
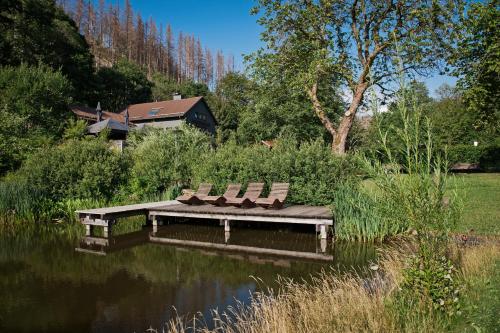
(83, 169)
(33, 110)
(488, 156)
(434, 280)
(311, 169)
(162, 159)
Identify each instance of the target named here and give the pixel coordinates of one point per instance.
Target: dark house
(164, 114)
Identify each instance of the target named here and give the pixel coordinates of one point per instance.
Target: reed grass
(346, 303)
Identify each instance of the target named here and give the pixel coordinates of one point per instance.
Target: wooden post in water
(89, 230)
(155, 224)
(322, 228)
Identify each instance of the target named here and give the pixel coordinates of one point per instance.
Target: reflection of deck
(102, 246)
(319, 216)
(241, 248)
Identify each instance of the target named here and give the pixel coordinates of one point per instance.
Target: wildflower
(441, 302)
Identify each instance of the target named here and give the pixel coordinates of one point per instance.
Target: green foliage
(86, 169)
(310, 168)
(75, 129)
(277, 109)
(232, 98)
(123, 84)
(434, 280)
(315, 47)
(488, 156)
(452, 122)
(358, 216)
(162, 159)
(33, 109)
(38, 31)
(19, 201)
(164, 88)
(476, 61)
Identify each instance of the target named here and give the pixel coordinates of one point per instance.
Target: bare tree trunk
(340, 137)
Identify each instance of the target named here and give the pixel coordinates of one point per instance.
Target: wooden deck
(320, 216)
(109, 213)
(291, 214)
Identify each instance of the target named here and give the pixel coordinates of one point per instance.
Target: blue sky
(222, 24)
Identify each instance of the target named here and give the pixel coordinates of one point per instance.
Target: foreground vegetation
(376, 304)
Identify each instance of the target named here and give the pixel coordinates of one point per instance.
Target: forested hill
(116, 31)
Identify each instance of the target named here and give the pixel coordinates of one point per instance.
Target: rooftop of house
(109, 123)
(143, 111)
(89, 113)
(162, 109)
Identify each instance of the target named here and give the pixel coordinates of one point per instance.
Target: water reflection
(46, 286)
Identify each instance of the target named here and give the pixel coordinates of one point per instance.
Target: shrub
(84, 169)
(311, 169)
(488, 156)
(33, 107)
(162, 159)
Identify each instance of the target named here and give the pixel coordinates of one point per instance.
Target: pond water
(129, 284)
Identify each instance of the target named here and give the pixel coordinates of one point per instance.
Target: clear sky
(222, 24)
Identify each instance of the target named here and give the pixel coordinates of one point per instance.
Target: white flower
(441, 302)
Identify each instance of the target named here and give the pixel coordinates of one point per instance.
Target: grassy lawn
(481, 195)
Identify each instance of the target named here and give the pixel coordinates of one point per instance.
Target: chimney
(126, 117)
(177, 97)
(98, 111)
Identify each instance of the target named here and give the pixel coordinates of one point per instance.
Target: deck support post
(108, 228)
(322, 228)
(155, 223)
(227, 235)
(227, 226)
(89, 229)
(107, 231)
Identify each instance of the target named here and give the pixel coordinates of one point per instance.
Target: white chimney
(177, 97)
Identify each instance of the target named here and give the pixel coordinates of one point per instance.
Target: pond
(51, 282)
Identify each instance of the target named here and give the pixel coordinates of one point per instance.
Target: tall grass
(19, 202)
(407, 189)
(347, 303)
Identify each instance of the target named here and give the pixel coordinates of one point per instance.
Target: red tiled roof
(164, 109)
(90, 113)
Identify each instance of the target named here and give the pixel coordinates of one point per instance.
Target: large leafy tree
(477, 63)
(33, 111)
(164, 88)
(352, 43)
(38, 31)
(232, 97)
(123, 84)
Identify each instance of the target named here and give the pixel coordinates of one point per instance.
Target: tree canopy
(352, 44)
(33, 111)
(34, 32)
(476, 61)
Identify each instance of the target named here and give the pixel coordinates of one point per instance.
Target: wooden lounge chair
(219, 200)
(196, 198)
(276, 197)
(248, 199)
